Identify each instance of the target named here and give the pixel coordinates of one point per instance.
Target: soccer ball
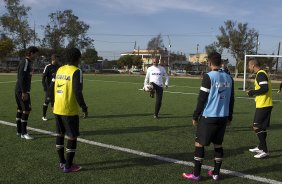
(148, 87)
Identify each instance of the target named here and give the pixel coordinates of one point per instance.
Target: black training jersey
(48, 73)
(24, 76)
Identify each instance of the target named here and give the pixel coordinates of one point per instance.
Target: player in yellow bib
(68, 99)
(263, 98)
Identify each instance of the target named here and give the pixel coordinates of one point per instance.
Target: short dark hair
(73, 55)
(214, 58)
(31, 49)
(254, 61)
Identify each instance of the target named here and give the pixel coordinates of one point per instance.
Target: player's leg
(60, 130)
(45, 107)
(24, 120)
(204, 134)
(72, 130)
(159, 97)
(218, 157)
(261, 122)
(19, 115)
(152, 92)
(217, 140)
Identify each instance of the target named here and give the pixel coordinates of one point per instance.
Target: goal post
(245, 65)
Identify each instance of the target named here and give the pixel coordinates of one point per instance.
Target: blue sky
(117, 24)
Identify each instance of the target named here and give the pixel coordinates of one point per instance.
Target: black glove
(251, 93)
(84, 112)
(84, 115)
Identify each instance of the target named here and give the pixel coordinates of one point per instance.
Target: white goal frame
(245, 64)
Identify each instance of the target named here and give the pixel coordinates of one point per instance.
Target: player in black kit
(49, 73)
(22, 92)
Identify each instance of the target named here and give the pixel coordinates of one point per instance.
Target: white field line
(182, 93)
(120, 82)
(173, 92)
(157, 157)
(7, 82)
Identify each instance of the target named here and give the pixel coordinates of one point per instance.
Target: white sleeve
(166, 77)
(146, 81)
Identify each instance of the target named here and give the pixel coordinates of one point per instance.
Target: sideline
(182, 93)
(157, 157)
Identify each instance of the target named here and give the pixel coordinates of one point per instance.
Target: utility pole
(257, 45)
(278, 57)
(198, 52)
(169, 45)
(34, 35)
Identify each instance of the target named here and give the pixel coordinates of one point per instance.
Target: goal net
(248, 82)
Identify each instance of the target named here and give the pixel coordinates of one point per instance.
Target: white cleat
(44, 118)
(26, 136)
(255, 150)
(261, 154)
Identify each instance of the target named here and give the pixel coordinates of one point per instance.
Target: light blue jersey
(219, 95)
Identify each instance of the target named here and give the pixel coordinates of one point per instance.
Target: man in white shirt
(154, 77)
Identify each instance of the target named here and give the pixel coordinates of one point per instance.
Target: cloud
(41, 3)
(155, 6)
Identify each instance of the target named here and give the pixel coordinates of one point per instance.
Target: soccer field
(122, 143)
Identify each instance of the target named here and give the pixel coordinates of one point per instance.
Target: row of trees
(64, 29)
(238, 40)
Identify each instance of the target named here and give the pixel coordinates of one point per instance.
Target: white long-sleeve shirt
(155, 74)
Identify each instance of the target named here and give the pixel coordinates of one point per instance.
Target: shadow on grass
(117, 164)
(273, 126)
(121, 115)
(128, 130)
(264, 169)
(188, 157)
(161, 116)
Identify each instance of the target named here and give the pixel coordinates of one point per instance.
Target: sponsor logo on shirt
(156, 73)
(63, 77)
(60, 85)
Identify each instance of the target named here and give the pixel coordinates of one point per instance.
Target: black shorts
(23, 105)
(211, 130)
(262, 117)
(68, 125)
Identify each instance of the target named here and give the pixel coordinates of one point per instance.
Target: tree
(130, 60)
(214, 47)
(90, 56)
(6, 46)
(65, 29)
(268, 62)
(137, 61)
(156, 43)
(238, 39)
(15, 23)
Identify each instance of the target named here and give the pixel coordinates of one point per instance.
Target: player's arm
(77, 88)
(232, 100)
(146, 81)
(280, 87)
(23, 76)
(44, 78)
(166, 77)
(51, 93)
(262, 81)
(203, 96)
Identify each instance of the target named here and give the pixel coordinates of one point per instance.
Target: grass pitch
(122, 115)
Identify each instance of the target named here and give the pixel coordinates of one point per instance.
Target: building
(147, 56)
(168, 60)
(200, 58)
